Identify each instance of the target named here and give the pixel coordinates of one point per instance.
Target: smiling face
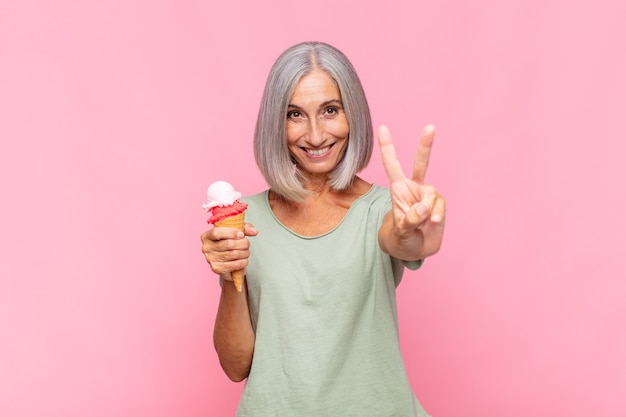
(317, 127)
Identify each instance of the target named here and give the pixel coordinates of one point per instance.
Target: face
(317, 126)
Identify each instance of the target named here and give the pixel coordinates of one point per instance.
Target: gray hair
(270, 139)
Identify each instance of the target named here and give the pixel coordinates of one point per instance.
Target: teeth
(318, 152)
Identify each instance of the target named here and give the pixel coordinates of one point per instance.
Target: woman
(315, 331)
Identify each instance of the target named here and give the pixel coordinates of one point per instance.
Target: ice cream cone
(236, 222)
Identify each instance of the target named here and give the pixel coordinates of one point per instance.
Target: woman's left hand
(416, 222)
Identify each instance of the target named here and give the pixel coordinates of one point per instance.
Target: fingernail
(422, 208)
(240, 235)
(436, 218)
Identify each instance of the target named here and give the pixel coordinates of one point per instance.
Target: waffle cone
(236, 222)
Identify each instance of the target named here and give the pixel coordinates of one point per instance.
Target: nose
(315, 136)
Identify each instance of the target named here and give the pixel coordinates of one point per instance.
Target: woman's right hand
(227, 249)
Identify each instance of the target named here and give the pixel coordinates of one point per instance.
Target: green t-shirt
(324, 313)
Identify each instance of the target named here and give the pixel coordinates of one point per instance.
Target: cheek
(339, 128)
(293, 132)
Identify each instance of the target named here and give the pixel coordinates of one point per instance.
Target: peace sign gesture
(414, 227)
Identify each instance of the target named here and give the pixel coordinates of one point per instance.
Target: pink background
(116, 115)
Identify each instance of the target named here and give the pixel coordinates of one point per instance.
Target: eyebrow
(324, 104)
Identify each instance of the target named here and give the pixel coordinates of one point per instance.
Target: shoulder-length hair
(270, 139)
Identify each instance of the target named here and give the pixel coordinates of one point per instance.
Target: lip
(316, 153)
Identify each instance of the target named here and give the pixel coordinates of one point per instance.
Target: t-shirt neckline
(343, 219)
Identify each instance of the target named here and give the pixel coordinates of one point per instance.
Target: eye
(332, 110)
(293, 114)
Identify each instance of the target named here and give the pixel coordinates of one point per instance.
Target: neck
(319, 187)
(316, 185)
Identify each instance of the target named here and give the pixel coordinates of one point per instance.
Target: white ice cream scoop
(220, 193)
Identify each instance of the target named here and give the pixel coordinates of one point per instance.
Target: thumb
(249, 230)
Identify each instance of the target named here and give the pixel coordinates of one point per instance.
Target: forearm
(233, 335)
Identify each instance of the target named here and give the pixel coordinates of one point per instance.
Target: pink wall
(115, 116)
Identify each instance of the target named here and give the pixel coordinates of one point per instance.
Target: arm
(227, 250)
(233, 335)
(413, 229)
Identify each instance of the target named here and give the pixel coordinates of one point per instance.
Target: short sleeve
(398, 268)
(413, 265)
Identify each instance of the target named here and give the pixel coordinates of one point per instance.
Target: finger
(422, 210)
(420, 164)
(225, 269)
(388, 153)
(417, 214)
(225, 250)
(225, 246)
(429, 197)
(225, 261)
(439, 211)
(222, 233)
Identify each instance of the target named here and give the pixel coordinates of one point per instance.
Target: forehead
(316, 85)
